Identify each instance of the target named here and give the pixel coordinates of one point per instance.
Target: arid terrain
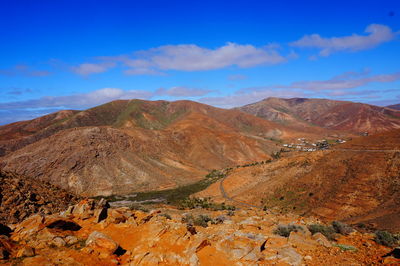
(126, 146)
(279, 182)
(90, 233)
(356, 182)
(334, 115)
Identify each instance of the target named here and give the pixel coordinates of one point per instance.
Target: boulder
(101, 243)
(58, 242)
(322, 240)
(25, 252)
(290, 256)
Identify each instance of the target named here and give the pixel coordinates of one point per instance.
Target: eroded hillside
(358, 183)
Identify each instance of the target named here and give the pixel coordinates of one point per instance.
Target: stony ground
(91, 233)
(21, 197)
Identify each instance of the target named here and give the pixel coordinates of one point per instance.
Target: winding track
(227, 197)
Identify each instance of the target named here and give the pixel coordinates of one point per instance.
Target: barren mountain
(126, 146)
(394, 106)
(337, 115)
(358, 182)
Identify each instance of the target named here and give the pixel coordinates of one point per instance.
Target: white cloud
(86, 69)
(186, 57)
(349, 80)
(182, 92)
(376, 35)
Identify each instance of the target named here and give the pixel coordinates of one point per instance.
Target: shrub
(341, 228)
(345, 247)
(188, 218)
(166, 215)
(230, 213)
(202, 220)
(386, 239)
(220, 219)
(285, 230)
(327, 231)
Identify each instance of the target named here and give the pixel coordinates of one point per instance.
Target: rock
(101, 243)
(290, 256)
(84, 209)
(58, 242)
(103, 203)
(322, 240)
(25, 252)
(71, 240)
(115, 216)
(4, 254)
(299, 240)
(100, 214)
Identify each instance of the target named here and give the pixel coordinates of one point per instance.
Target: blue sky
(77, 54)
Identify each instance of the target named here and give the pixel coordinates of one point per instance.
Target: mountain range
(127, 146)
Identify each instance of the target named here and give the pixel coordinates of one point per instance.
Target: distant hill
(394, 106)
(351, 183)
(329, 114)
(135, 145)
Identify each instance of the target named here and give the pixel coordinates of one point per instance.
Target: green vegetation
(386, 239)
(326, 230)
(193, 203)
(285, 230)
(177, 196)
(342, 228)
(329, 231)
(200, 220)
(158, 116)
(166, 215)
(345, 247)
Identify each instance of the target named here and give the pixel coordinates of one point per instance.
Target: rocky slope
(135, 145)
(90, 233)
(358, 183)
(21, 197)
(329, 114)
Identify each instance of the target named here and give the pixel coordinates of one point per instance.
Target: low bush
(205, 203)
(166, 215)
(285, 230)
(345, 247)
(200, 220)
(327, 231)
(342, 228)
(386, 239)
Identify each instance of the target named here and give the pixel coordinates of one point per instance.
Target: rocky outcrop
(131, 237)
(21, 197)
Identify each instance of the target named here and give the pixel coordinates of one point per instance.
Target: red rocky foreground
(91, 233)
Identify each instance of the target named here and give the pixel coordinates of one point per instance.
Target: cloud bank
(185, 57)
(376, 34)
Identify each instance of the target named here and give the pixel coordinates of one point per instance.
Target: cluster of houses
(305, 145)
